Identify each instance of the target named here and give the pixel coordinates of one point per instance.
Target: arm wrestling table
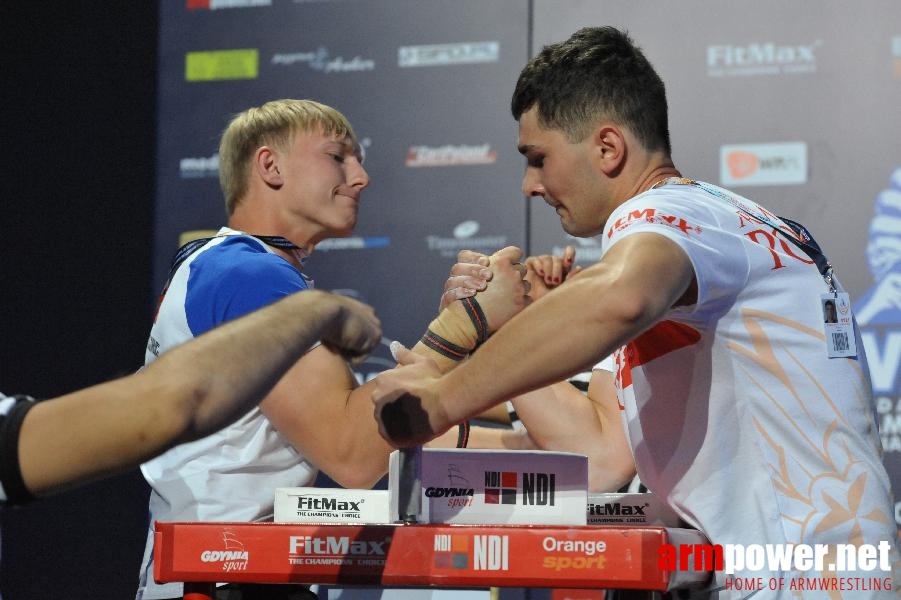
(419, 555)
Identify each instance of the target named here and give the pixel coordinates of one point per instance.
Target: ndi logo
(491, 553)
(538, 489)
(500, 487)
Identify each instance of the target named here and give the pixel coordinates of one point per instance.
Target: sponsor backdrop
(420, 81)
(794, 105)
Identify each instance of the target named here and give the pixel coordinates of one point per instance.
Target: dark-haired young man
(751, 423)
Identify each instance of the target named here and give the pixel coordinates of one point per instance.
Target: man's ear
(266, 165)
(610, 148)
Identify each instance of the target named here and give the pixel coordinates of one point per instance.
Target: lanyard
(182, 254)
(797, 234)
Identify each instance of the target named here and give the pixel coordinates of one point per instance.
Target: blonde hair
(274, 124)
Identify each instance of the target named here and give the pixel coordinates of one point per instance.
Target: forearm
(93, 433)
(450, 337)
(361, 454)
(549, 341)
(561, 418)
(499, 438)
(566, 332)
(187, 393)
(222, 374)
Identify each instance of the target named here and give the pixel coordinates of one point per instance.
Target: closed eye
(535, 161)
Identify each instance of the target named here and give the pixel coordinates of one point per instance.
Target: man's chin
(579, 232)
(344, 230)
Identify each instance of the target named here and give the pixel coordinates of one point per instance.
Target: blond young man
(292, 176)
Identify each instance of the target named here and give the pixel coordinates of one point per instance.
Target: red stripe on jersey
(661, 339)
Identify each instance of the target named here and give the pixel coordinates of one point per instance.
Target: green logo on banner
(220, 65)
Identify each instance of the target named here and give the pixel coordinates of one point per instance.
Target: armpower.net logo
(793, 567)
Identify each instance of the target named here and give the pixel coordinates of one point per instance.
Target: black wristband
(463, 434)
(443, 347)
(478, 318)
(10, 473)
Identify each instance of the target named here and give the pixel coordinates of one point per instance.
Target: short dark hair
(597, 73)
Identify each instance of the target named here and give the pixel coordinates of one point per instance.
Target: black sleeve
(13, 488)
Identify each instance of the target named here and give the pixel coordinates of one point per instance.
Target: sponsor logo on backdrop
(197, 167)
(487, 552)
(879, 315)
(231, 556)
(765, 58)
(353, 243)
(435, 55)
(222, 65)
(220, 4)
(896, 56)
(782, 163)
(450, 155)
(465, 238)
(322, 60)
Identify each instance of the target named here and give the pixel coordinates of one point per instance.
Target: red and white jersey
(735, 414)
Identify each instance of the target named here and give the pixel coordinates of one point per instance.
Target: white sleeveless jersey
(230, 475)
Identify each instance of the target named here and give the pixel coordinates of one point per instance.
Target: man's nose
(531, 185)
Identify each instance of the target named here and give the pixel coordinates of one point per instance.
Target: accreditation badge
(838, 323)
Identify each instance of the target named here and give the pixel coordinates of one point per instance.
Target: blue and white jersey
(232, 474)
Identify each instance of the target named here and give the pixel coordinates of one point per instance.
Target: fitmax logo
(617, 508)
(321, 503)
(336, 546)
(765, 58)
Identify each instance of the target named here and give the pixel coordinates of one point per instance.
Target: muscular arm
(186, 394)
(560, 417)
(318, 407)
(602, 308)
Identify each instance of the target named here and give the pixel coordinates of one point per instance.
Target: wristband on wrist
(443, 347)
(451, 334)
(477, 316)
(515, 422)
(463, 434)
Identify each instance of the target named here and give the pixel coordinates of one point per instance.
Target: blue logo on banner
(878, 312)
(353, 243)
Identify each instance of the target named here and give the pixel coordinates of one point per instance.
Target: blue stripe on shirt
(234, 278)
